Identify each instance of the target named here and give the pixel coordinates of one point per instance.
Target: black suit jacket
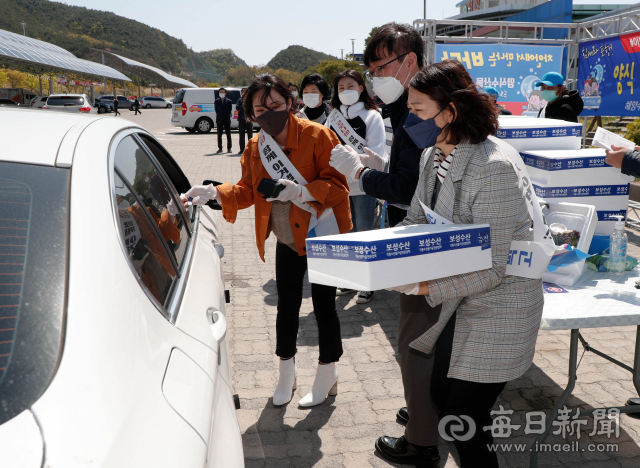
(223, 110)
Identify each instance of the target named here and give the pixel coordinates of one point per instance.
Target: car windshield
(33, 280)
(179, 97)
(65, 101)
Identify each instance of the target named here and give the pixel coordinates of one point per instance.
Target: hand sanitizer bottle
(618, 248)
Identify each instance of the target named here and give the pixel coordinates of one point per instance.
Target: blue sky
(258, 29)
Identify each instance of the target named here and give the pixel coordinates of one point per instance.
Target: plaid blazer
(497, 315)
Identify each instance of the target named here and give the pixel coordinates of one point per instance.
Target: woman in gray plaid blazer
(488, 324)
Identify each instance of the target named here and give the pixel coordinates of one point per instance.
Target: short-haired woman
(315, 95)
(359, 125)
(296, 152)
(487, 328)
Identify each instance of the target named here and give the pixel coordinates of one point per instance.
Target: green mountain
(221, 60)
(79, 29)
(297, 58)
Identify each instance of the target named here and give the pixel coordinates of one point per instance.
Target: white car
(38, 101)
(154, 101)
(112, 345)
(70, 103)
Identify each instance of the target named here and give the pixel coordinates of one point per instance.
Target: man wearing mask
(223, 108)
(394, 55)
(562, 104)
(243, 125)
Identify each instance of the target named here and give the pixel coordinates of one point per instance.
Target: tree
(330, 68)
(371, 34)
(15, 78)
(32, 83)
(289, 76)
(242, 75)
(3, 78)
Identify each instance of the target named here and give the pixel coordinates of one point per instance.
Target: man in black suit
(223, 107)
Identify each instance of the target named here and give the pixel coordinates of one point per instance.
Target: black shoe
(219, 151)
(401, 451)
(402, 416)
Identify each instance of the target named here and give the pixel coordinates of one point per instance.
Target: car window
(155, 240)
(65, 101)
(179, 97)
(33, 280)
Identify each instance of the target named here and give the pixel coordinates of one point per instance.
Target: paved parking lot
(341, 432)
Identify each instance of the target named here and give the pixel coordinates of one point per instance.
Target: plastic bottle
(618, 248)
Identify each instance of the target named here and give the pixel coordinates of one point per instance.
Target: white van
(193, 108)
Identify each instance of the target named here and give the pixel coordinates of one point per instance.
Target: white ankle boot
(325, 383)
(287, 381)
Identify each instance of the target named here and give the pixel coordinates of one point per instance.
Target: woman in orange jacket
(315, 200)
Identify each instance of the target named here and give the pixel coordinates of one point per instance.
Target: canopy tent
(44, 58)
(161, 77)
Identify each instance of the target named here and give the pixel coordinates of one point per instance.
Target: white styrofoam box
(529, 133)
(383, 258)
(578, 217)
(554, 168)
(609, 200)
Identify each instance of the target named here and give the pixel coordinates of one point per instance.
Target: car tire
(101, 110)
(169, 106)
(204, 125)
(148, 106)
(190, 129)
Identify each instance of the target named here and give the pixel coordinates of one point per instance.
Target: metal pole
(104, 78)
(353, 50)
(40, 83)
(425, 10)
(24, 30)
(342, 54)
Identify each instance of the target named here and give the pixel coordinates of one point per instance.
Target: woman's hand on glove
(200, 195)
(373, 160)
(346, 161)
(290, 192)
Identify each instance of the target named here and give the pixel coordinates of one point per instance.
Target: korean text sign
(606, 74)
(511, 69)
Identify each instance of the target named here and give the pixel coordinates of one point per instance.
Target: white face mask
(222, 95)
(349, 97)
(311, 100)
(294, 94)
(389, 88)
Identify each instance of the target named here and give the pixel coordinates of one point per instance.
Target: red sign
(631, 42)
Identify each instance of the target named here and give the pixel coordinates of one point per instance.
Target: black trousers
(242, 128)
(115, 109)
(136, 110)
(224, 127)
(290, 270)
(454, 397)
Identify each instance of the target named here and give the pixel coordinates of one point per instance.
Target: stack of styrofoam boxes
(580, 176)
(562, 172)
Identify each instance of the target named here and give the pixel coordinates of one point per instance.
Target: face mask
(349, 97)
(294, 94)
(389, 88)
(424, 133)
(311, 100)
(222, 95)
(273, 122)
(549, 95)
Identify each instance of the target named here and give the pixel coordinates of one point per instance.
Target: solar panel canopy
(166, 76)
(51, 57)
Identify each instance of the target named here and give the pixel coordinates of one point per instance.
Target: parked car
(123, 101)
(38, 102)
(103, 106)
(193, 108)
(69, 103)
(154, 101)
(8, 102)
(120, 356)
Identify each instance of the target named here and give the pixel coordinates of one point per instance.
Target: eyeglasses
(380, 69)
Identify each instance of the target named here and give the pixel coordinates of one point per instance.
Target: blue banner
(546, 132)
(387, 249)
(511, 69)
(549, 164)
(606, 73)
(586, 191)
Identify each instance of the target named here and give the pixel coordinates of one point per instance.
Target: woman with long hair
(313, 201)
(487, 327)
(358, 124)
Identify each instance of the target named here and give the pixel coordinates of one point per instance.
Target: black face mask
(273, 122)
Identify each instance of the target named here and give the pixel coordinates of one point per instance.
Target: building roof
(156, 73)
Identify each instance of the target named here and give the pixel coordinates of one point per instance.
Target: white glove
(201, 194)
(410, 289)
(346, 161)
(373, 160)
(172, 208)
(290, 192)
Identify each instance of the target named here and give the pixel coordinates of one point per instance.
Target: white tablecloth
(597, 300)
